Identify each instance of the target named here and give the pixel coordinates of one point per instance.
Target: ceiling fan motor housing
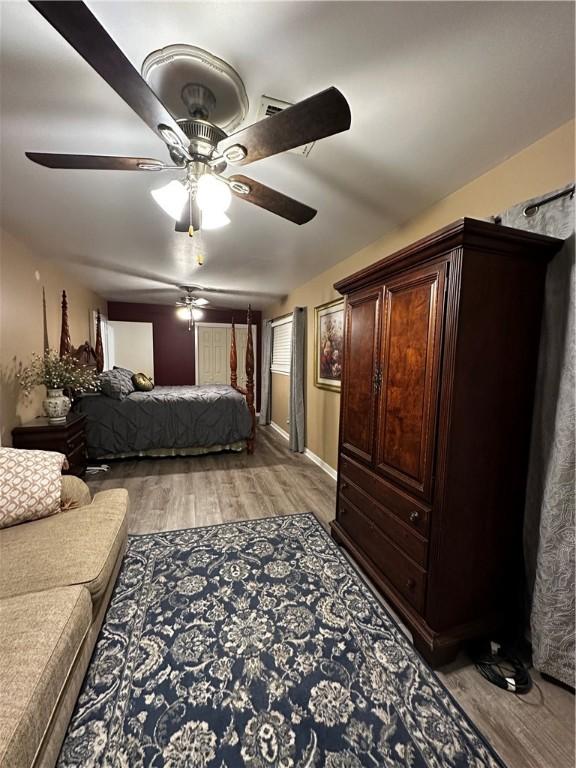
(203, 136)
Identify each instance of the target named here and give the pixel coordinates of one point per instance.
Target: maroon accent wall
(174, 345)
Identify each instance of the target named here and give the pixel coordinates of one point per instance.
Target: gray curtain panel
(549, 516)
(265, 409)
(297, 413)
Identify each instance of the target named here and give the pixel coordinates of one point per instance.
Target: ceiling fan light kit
(189, 314)
(171, 198)
(213, 220)
(213, 195)
(193, 101)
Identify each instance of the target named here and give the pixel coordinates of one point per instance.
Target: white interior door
(213, 353)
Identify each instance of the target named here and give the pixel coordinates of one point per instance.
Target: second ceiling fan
(196, 145)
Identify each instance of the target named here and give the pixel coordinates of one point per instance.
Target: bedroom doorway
(213, 352)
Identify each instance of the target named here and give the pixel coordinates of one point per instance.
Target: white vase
(56, 406)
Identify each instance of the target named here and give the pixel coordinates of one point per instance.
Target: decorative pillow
(126, 375)
(30, 485)
(116, 384)
(142, 382)
(124, 371)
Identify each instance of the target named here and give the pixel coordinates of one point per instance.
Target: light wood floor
(531, 731)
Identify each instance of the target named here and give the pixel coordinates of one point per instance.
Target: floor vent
(269, 107)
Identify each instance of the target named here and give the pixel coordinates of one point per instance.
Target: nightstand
(67, 438)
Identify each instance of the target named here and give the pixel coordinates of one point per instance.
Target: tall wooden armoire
(440, 352)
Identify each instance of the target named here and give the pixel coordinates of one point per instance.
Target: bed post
(250, 379)
(233, 359)
(98, 349)
(65, 343)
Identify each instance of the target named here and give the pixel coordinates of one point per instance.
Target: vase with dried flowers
(57, 374)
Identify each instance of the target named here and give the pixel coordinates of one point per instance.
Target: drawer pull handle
(414, 517)
(343, 486)
(410, 583)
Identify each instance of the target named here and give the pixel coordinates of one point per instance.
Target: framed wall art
(329, 342)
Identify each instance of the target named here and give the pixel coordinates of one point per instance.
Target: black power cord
(503, 668)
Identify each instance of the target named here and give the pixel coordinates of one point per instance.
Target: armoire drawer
(403, 574)
(409, 540)
(413, 512)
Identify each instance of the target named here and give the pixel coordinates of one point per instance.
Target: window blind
(281, 345)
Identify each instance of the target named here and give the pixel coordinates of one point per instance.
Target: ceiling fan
(189, 306)
(196, 145)
(189, 300)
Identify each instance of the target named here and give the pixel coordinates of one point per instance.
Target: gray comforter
(166, 418)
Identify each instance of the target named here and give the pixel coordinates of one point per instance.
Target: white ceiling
(439, 92)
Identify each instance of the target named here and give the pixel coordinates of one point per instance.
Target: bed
(167, 421)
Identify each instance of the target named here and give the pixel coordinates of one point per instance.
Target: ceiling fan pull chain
(191, 227)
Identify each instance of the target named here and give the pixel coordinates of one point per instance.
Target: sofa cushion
(29, 485)
(40, 635)
(80, 546)
(75, 493)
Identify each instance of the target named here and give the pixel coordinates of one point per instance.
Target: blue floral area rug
(257, 644)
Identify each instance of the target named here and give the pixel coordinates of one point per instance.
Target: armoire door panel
(411, 334)
(360, 364)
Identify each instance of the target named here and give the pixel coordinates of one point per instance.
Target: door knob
(414, 517)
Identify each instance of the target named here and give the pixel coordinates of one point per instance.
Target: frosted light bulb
(213, 195)
(171, 198)
(214, 220)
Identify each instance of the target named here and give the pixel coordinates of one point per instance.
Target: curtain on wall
(264, 417)
(297, 415)
(549, 516)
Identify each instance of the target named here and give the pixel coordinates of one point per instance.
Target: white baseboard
(280, 431)
(308, 453)
(321, 463)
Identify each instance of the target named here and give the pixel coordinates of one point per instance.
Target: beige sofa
(56, 579)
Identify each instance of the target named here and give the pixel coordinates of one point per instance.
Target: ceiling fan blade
(233, 292)
(79, 27)
(319, 116)
(96, 162)
(184, 224)
(273, 201)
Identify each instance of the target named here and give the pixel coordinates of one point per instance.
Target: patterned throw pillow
(126, 376)
(30, 485)
(116, 384)
(142, 382)
(124, 371)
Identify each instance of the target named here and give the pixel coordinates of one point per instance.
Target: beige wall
(22, 276)
(545, 165)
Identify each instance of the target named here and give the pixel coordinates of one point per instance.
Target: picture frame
(328, 344)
